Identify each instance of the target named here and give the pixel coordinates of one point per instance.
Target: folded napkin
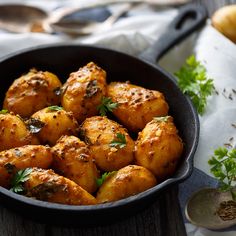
(136, 32)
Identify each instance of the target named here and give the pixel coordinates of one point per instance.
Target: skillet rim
(132, 199)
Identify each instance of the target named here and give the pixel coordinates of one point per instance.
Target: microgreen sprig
(119, 141)
(20, 177)
(107, 105)
(105, 175)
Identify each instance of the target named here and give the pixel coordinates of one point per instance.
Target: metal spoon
(24, 18)
(201, 209)
(20, 18)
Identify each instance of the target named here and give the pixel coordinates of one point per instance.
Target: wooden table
(161, 218)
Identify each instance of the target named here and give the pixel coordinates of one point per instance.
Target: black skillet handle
(177, 31)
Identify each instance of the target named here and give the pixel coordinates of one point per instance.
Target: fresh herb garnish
(224, 168)
(193, 81)
(106, 105)
(3, 111)
(120, 141)
(161, 118)
(100, 180)
(55, 108)
(20, 177)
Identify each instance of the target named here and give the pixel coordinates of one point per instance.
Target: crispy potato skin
(47, 186)
(84, 90)
(13, 132)
(72, 159)
(98, 132)
(126, 182)
(159, 148)
(137, 105)
(56, 124)
(32, 92)
(15, 159)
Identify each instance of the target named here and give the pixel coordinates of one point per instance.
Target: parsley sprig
(105, 175)
(20, 177)
(106, 105)
(55, 108)
(3, 111)
(193, 81)
(119, 141)
(223, 167)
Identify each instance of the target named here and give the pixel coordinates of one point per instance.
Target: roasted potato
(159, 147)
(126, 182)
(72, 159)
(102, 134)
(56, 122)
(32, 92)
(84, 90)
(136, 105)
(15, 159)
(47, 186)
(14, 133)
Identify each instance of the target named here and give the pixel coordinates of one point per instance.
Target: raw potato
(159, 147)
(32, 92)
(84, 90)
(126, 182)
(224, 20)
(56, 124)
(136, 105)
(72, 159)
(13, 160)
(45, 185)
(98, 132)
(13, 132)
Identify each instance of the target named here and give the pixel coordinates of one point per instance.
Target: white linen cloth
(135, 33)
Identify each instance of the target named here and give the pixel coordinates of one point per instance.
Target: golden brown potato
(99, 133)
(72, 159)
(84, 90)
(32, 92)
(45, 185)
(126, 182)
(159, 147)
(136, 105)
(15, 159)
(56, 122)
(13, 132)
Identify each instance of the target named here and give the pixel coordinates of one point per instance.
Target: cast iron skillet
(63, 59)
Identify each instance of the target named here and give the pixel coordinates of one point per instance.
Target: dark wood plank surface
(162, 218)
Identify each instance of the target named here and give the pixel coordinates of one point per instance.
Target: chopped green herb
(3, 111)
(20, 177)
(106, 106)
(223, 167)
(55, 108)
(100, 180)
(162, 118)
(193, 81)
(120, 141)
